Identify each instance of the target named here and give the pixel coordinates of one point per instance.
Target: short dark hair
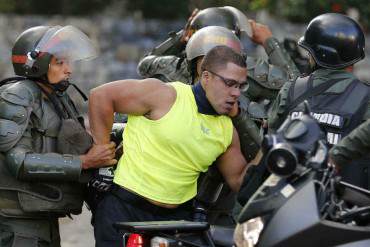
(219, 56)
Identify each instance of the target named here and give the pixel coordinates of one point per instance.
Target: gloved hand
(102, 179)
(98, 186)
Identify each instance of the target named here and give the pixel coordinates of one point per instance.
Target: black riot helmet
(34, 48)
(227, 17)
(334, 41)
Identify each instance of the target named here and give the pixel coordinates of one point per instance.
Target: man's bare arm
(149, 97)
(232, 164)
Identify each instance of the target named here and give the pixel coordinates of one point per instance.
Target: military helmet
(34, 48)
(241, 20)
(25, 49)
(227, 17)
(334, 41)
(207, 38)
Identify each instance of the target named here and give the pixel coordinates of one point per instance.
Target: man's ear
(205, 77)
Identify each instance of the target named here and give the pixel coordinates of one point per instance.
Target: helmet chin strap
(61, 86)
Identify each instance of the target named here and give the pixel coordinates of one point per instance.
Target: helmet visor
(68, 43)
(243, 22)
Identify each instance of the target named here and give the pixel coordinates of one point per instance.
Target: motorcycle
(303, 202)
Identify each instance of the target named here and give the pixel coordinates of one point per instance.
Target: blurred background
(124, 31)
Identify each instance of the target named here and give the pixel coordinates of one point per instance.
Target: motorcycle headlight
(248, 233)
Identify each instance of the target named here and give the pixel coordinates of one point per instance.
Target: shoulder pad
(267, 75)
(166, 66)
(251, 62)
(10, 133)
(21, 93)
(367, 83)
(257, 111)
(16, 113)
(284, 96)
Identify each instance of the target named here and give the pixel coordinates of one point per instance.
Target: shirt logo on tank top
(204, 129)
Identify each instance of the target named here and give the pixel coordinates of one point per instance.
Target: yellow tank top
(162, 158)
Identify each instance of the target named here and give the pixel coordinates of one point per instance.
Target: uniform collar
(321, 76)
(203, 104)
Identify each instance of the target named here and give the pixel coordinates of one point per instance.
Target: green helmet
(207, 38)
(227, 17)
(24, 49)
(204, 40)
(242, 20)
(34, 48)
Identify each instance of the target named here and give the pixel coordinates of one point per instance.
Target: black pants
(122, 205)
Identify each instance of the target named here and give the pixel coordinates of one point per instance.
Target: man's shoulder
(20, 93)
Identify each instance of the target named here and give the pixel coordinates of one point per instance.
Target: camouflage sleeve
(171, 46)
(272, 75)
(279, 56)
(250, 113)
(165, 68)
(276, 114)
(353, 146)
(367, 114)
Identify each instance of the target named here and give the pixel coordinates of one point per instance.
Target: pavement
(77, 232)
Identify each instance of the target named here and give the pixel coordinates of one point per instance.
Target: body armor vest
(33, 199)
(338, 114)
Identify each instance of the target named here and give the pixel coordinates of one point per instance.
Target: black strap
(12, 80)
(308, 92)
(83, 95)
(55, 101)
(68, 108)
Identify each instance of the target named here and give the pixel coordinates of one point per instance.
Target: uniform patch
(329, 119)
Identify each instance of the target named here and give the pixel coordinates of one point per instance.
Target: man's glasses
(242, 86)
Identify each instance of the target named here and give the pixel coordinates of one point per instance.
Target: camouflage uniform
(277, 112)
(350, 113)
(353, 146)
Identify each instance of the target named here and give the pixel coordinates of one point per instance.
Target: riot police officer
(45, 150)
(339, 100)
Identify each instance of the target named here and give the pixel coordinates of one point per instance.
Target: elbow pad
(43, 167)
(278, 56)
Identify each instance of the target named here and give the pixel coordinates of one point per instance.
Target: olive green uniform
(40, 169)
(277, 113)
(354, 146)
(340, 104)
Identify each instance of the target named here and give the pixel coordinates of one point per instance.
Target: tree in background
(305, 10)
(293, 10)
(47, 7)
